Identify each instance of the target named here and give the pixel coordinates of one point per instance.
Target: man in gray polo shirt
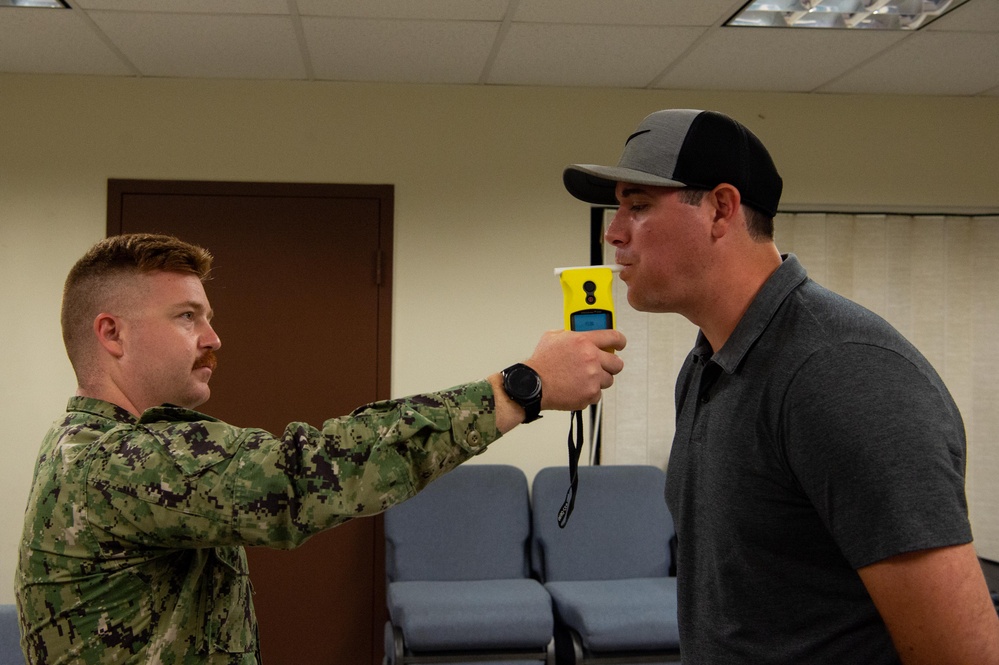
(817, 472)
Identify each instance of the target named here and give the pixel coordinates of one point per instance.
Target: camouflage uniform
(133, 540)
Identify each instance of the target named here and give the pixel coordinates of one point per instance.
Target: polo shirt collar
(788, 276)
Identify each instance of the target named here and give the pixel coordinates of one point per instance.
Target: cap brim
(597, 184)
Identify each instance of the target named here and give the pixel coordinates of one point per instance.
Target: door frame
(118, 189)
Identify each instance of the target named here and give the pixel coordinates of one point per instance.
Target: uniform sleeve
(204, 483)
(878, 446)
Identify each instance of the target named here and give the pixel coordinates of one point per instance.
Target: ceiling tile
(598, 43)
(190, 6)
(52, 41)
(587, 55)
(456, 10)
(628, 12)
(772, 59)
(207, 46)
(397, 51)
(928, 63)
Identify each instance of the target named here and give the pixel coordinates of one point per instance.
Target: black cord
(575, 450)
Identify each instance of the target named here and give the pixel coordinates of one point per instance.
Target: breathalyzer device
(586, 296)
(588, 305)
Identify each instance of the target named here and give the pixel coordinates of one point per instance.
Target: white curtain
(935, 278)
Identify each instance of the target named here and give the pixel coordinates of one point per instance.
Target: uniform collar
(100, 408)
(109, 411)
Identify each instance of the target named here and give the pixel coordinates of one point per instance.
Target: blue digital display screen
(592, 319)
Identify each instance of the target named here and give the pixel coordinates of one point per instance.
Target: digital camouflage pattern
(133, 540)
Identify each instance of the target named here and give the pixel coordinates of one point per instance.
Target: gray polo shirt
(815, 442)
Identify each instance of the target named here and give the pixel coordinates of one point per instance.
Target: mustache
(208, 360)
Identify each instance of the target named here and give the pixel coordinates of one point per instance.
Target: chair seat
(474, 614)
(612, 615)
(10, 636)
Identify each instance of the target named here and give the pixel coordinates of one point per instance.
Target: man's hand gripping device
(588, 304)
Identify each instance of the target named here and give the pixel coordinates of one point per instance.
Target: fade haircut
(93, 279)
(759, 224)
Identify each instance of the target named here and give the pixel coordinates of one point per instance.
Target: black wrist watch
(523, 385)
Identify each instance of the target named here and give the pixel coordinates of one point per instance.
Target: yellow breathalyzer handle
(587, 300)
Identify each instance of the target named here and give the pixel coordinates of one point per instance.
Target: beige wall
(481, 217)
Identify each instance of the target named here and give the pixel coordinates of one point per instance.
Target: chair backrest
(473, 523)
(620, 527)
(10, 637)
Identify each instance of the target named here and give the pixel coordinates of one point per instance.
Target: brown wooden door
(301, 293)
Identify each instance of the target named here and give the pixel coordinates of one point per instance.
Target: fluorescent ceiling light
(52, 4)
(860, 14)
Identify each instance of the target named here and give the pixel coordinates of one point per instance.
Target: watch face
(524, 382)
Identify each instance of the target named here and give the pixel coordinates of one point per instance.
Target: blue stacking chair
(608, 571)
(458, 573)
(10, 637)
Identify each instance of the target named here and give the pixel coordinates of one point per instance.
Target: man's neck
(735, 292)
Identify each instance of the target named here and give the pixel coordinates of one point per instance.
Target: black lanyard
(575, 450)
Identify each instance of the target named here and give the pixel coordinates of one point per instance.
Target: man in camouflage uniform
(133, 541)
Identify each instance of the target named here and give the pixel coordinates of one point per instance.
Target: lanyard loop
(575, 450)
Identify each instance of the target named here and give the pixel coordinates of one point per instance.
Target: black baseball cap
(685, 148)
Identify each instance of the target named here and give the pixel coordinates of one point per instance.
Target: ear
(107, 329)
(726, 201)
